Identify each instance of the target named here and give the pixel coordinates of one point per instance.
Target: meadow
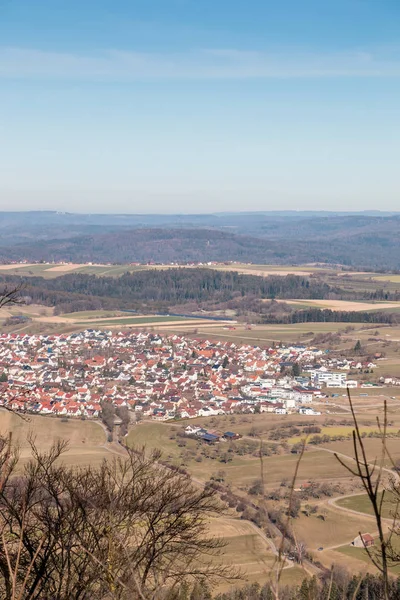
(242, 470)
(86, 439)
(361, 503)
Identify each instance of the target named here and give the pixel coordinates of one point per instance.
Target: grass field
(242, 470)
(343, 430)
(361, 555)
(86, 439)
(140, 320)
(388, 277)
(266, 334)
(336, 529)
(49, 271)
(92, 314)
(345, 305)
(373, 448)
(245, 550)
(362, 504)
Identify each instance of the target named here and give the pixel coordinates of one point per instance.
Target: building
(365, 540)
(230, 435)
(328, 378)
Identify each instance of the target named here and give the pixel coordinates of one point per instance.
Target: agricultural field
(246, 549)
(344, 305)
(336, 529)
(49, 270)
(266, 334)
(360, 554)
(240, 471)
(141, 320)
(86, 439)
(360, 503)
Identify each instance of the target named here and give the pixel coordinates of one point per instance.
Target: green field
(361, 554)
(361, 503)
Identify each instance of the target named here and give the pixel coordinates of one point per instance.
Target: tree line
(199, 287)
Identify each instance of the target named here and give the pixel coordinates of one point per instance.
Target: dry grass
(86, 439)
(338, 528)
(345, 305)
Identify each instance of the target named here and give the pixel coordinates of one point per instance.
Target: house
(191, 430)
(210, 438)
(230, 435)
(305, 410)
(365, 540)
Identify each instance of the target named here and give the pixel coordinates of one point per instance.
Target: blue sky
(199, 105)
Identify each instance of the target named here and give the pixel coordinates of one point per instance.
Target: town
(166, 377)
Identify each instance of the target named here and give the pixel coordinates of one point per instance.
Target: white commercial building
(328, 378)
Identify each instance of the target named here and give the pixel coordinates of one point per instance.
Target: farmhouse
(365, 540)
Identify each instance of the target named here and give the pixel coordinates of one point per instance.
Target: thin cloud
(117, 65)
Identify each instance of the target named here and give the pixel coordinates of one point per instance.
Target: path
(392, 473)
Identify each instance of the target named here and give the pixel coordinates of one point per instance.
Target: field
(141, 320)
(43, 320)
(246, 550)
(241, 471)
(49, 271)
(266, 334)
(86, 439)
(344, 305)
(360, 503)
(361, 555)
(336, 529)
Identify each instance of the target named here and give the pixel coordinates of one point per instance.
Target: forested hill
(362, 241)
(147, 245)
(162, 289)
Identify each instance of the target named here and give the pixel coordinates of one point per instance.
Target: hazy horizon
(171, 106)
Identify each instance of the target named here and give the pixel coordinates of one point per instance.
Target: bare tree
(371, 477)
(11, 294)
(129, 528)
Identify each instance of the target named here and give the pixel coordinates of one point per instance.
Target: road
(392, 473)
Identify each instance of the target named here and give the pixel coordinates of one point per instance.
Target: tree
(370, 475)
(3, 377)
(295, 507)
(108, 414)
(357, 347)
(296, 370)
(130, 528)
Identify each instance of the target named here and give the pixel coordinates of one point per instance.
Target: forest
(357, 241)
(194, 290)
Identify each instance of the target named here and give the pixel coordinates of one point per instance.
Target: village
(165, 377)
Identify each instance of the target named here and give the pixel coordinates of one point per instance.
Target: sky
(166, 106)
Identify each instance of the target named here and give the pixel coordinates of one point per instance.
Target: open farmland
(49, 270)
(361, 503)
(246, 549)
(86, 439)
(265, 334)
(344, 305)
(336, 528)
(240, 471)
(360, 554)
